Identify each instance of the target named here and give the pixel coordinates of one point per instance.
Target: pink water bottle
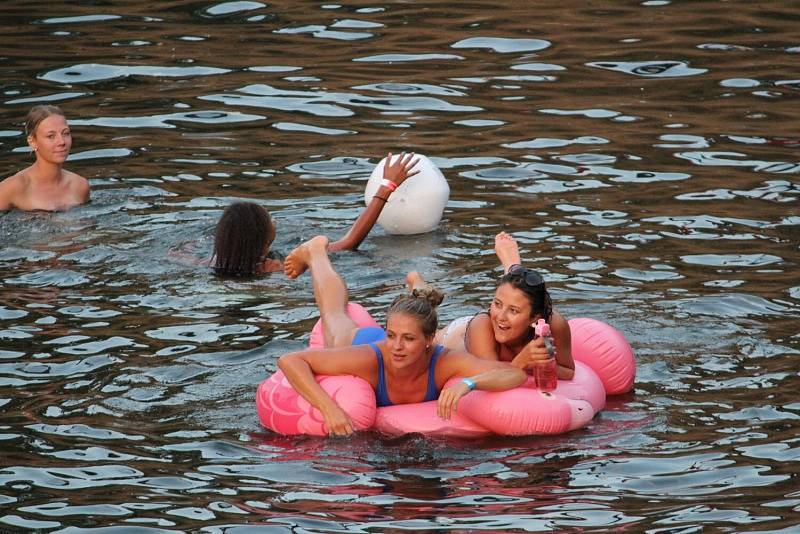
(545, 375)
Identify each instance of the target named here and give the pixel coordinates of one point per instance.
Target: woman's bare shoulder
(11, 188)
(480, 320)
(15, 180)
(77, 183)
(558, 320)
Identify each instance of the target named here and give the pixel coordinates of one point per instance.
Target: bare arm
(479, 338)
(480, 341)
(537, 350)
(187, 258)
(301, 367)
(562, 338)
(486, 375)
(397, 173)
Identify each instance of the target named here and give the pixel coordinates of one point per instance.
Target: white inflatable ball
(416, 207)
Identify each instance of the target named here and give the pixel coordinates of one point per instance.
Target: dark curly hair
(243, 236)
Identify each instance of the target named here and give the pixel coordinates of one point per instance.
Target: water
(645, 154)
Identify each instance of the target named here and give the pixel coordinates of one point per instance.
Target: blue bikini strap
(381, 393)
(433, 392)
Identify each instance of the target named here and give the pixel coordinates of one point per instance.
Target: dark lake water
(645, 154)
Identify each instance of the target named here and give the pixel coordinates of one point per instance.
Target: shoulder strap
(433, 392)
(381, 393)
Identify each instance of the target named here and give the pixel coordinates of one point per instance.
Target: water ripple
(731, 305)
(230, 8)
(773, 191)
(289, 472)
(735, 159)
(592, 114)
(323, 33)
(163, 121)
(297, 127)
(55, 370)
(411, 88)
(391, 58)
(650, 69)
(728, 260)
(55, 97)
(316, 103)
(199, 333)
(503, 45)
(94, 72)
(698, 474)
(545, 142)
(334, 168)
(50, 278)
(80, 19)
(84, 431)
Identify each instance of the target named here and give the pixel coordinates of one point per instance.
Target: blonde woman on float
(402, 363)
(45, 185)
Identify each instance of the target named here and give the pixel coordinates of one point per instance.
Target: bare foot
(271, 265)
(414, 281)
(507, 250)
(299, 259)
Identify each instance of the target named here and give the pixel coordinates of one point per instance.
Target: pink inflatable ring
(604, 365)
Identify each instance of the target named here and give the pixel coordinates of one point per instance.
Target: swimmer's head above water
(242, 240)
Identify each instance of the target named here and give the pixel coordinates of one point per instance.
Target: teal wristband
(469, 383)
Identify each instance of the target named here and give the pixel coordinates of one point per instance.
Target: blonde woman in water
(45, 185)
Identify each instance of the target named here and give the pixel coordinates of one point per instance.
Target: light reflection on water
(649, 171)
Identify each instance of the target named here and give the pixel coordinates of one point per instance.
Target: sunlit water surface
(645, 155)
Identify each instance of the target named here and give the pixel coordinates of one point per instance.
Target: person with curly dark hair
(245, 231)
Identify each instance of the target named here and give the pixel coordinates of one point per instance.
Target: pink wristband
(390, 185)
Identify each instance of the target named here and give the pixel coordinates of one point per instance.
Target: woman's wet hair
(421, 304)
(532, 285)
(37, 114)
(243, 236)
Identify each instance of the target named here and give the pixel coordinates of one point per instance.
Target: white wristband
(469, 383)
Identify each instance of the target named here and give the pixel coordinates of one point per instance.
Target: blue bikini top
(382, 393)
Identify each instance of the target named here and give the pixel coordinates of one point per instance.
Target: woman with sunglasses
(402, 362)
(505, 332)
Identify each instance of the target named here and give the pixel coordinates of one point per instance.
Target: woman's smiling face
(510, 313)
(406, 343)
(52, 139)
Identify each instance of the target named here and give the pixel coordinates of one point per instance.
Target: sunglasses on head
(529, 276)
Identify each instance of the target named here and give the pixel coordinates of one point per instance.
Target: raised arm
(301, 367)
(478, 374)
(562, 338)
(397, 173)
